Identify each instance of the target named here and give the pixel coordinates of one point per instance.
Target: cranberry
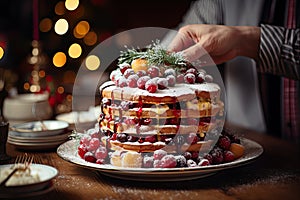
(114, 136)
(148, 161)
(162, 83)
(208, 157)
(224, 142)
(141, 73)
(94, 144)
(228, 156)
(82, 149)
(128, 72)
(159, 154)
(131, 81)
(122, 137)
(200, 78)
(181, 161)
(191, 163)
(100, 161)
(192, 71)
(151, 86)
(85, 140)
(140, 140)
(168, 161)
(151, 138)
(89, 157)
(195, 155)
(121, 82)
(131, 138)
(153, 71)
(192, 138)
(142, 81)
(217, 157)
(180, 78)
(204, 162)
(189, 78)
(208, 78)
(170, 71)
(171, 80)
(124, 67)
(146, 121)
(114, 74)
(157, 164)
(187, 155)
(101, 153)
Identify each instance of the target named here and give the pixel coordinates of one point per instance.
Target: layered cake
(157, 106)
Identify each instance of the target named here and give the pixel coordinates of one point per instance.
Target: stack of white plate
(31, 136)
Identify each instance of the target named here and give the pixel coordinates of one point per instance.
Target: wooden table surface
(274, 175)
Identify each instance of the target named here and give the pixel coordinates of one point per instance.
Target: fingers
(194, 52)
(180, 41)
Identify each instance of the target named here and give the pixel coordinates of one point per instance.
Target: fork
(21, 163)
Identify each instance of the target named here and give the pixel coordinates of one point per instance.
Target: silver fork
(21, 163)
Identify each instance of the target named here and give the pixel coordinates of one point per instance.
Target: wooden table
(275, 175)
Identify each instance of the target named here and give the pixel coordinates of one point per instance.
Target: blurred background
(43, 43)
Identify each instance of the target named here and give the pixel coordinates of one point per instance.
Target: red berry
(187, 155)
(157, 164)
(191, 163)
(170, 71)
(121, 82)
(153, 71)
(208, 157)
(200, 78)
(192, 71)
(100, 161)
(142, 81)
(159, 154)
(124, 67)
(151, 138)
(168, 161)
(94, 144)
(171, 80)
(180, 78)
(85, 140)
(204, 162)
(141, 73)
(148, 161)
(132, 81)
(82, 149)
(192, 138)
(101, 153)
(228, 156)
(151, 86)
(189, 78)
(162, 83)
(217, 157)
(89, 157)
(224, 142)
(128, 72)
(114, 74)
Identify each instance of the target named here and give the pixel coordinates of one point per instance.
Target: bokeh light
(60, 90)
(90, 38)
(92, 62)
(71, 4)
(60, 8)
(45, 25)
(75, 50)
(59, 59)
(1, 53)
(61, 26)
(81, 29)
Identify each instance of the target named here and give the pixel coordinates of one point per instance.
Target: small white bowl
(21, 107)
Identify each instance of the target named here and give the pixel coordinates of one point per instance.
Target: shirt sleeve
(280, 51)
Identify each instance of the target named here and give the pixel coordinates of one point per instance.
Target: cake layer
(178, 93)
(201, 109)
(203, 127)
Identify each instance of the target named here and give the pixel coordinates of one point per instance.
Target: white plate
(68, 151)
(27, 129)
(46, 174)
(14, 136)
(36, 146)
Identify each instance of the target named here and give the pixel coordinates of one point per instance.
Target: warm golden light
(59, 59)
(1, 53)
(82, 28)
(26, 86)
(71, 4)
(69, 97)
(42, 73)
(35, 88)
(60, 90)
(61, 26)
(60, 8)
(75, 50)
(92, 62)
(45, 25)
(90, 38)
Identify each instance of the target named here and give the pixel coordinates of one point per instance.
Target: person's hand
(221, 42)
